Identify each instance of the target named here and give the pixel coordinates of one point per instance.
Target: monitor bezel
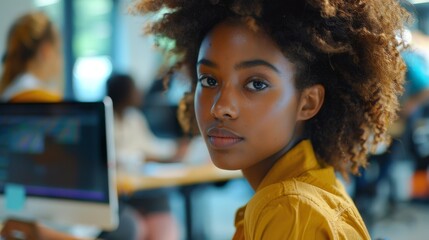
(103, 214)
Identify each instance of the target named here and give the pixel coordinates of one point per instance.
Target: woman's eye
(256, 85)
(208, 82)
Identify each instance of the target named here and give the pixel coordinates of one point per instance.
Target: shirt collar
(294, 163)
(22, 83)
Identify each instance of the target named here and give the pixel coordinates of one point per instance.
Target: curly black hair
(350, 47)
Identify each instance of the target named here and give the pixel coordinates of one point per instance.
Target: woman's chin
(225, 165)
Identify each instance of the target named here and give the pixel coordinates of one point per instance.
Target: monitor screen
(56, 151)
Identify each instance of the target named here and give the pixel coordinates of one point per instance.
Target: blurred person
(33, 61)
(136, 144)
(134, 139)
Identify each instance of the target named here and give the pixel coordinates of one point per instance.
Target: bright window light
(90, 75)
(44, 3)
(419, 1)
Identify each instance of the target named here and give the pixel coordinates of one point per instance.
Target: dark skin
(247, 107)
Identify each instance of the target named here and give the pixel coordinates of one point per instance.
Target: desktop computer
(57, 163)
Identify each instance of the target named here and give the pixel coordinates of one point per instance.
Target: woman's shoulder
(297, 202)
(27, 88)
(306, 191)
(36, 95)
(288, 192)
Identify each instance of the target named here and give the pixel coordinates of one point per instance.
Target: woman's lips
(223, 138)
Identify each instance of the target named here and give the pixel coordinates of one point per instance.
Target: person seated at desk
(135, 144)
(133, 137)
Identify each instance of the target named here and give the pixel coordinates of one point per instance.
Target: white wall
(9, 11)
(135, 52)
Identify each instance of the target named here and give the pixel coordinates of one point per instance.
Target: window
(89, 36)
(92, 48)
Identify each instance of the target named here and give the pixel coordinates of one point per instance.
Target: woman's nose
(225, 105)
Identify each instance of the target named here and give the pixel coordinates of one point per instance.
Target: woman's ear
(310, 102)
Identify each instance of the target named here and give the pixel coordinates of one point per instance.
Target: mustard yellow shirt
(35, 96)
(300, 199)
(27, 88)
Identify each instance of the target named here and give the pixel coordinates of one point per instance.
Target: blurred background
(100, 37)
(96, 34)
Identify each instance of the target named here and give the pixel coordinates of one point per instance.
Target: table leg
(187, 195)
(193, 219)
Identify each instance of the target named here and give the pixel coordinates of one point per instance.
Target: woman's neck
(38, 71)
(256, 173)
(120, 111)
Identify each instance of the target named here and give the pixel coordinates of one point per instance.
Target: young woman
(32, 62)
(289, 92)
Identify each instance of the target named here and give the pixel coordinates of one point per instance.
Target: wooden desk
(173, 177)
(187, 178)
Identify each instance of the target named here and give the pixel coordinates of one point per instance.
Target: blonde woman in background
(32, 62)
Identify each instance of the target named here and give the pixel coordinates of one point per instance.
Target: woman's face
(245, 101)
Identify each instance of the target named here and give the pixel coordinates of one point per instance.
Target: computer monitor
(57, 164)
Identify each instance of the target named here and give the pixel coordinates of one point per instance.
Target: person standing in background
(32, 62)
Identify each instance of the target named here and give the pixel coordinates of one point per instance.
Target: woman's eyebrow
(255, 63)
(244, 64)
(207, 63)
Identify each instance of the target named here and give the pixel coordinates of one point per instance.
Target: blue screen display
(55, 150)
